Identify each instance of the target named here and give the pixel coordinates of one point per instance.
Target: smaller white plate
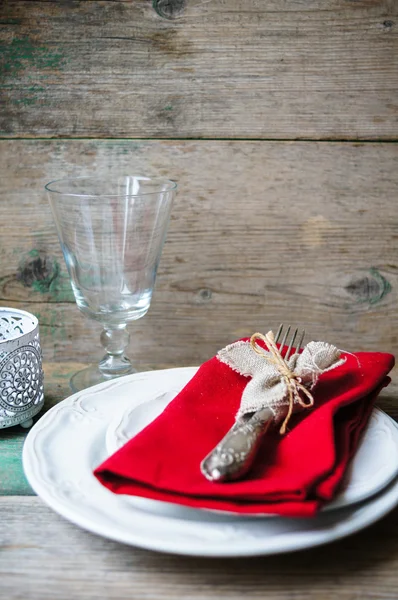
(373, 467)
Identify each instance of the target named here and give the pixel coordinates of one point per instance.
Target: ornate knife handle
(233, 456)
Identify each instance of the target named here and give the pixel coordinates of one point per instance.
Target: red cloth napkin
(293, 475)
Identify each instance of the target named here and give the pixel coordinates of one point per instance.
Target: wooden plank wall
(278, 119)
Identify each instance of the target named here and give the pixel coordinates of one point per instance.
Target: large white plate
(68, 442)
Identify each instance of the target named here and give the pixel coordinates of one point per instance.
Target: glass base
(91, 376)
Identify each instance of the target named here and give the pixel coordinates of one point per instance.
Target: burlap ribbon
(276, 383)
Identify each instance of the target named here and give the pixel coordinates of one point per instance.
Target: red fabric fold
(293, 475)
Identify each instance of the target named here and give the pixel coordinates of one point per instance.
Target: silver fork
(234, 454)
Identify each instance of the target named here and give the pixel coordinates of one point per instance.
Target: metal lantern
(21, 371)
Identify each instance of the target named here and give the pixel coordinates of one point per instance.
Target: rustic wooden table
(278, 120)
(45, 557)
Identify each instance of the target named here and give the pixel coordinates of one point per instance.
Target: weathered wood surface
(219, 68)
(261, 232)
(46, 558)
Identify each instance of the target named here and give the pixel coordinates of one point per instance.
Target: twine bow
(292, 380)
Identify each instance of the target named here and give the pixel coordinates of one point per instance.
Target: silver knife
(234, 454)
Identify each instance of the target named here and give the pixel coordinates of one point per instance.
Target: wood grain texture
(219, 69)
(46, 558)
(260, 233)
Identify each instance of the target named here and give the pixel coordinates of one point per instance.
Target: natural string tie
(293, 381)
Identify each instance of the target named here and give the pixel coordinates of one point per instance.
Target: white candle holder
(21, 371)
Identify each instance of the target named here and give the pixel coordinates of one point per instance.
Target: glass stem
(115, 340)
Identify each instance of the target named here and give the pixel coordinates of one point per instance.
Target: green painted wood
(12, 479)
(56, 387)
(199, 69)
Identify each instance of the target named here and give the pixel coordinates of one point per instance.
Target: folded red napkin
(293, 475)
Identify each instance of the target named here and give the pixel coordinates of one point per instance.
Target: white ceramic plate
(68, 442)
(374, 466)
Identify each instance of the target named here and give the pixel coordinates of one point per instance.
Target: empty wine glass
(111, 233)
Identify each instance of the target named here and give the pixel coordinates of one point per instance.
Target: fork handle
(234, 454)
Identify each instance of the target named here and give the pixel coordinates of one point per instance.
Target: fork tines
(284, 339)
